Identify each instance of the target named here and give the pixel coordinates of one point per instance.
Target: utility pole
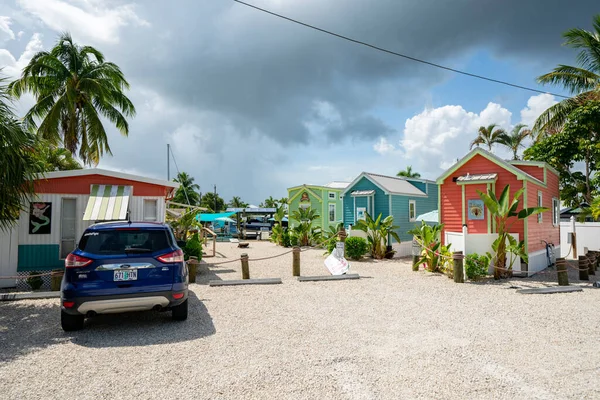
(168, 162)
(216, 211)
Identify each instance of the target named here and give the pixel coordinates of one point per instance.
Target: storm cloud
(234, 89)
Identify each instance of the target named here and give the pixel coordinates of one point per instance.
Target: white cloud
(383, 146)
(90, 19)
(13, 66)
(435, 138)
(535, 106)
(5, 30)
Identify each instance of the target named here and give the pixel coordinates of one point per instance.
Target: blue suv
(124, 266)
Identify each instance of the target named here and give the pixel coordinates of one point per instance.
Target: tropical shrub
(304, 231)
(446, 264)
(193, 247)
(356, 247)
(504, 210)
(330, 237)
(35, 282)
(378, 232)
(477, 265)
(286, 239)
(428, 238)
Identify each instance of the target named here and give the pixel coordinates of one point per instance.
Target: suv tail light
(174, 257)
(75, 261)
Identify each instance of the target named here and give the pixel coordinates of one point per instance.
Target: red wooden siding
(476, 225)
(533, 170)
(82, 185)
(545, 230)
(451, 199)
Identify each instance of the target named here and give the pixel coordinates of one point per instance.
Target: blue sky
(256, 104)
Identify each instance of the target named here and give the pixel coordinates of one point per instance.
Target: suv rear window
(119, 241)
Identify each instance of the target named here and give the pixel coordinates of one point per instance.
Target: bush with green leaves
(378, 230)
(429, 238)
(193, 247)
(356, 247)
(35, 282)
(446, 263)
(477, 265)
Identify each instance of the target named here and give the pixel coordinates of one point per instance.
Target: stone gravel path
(392, 334)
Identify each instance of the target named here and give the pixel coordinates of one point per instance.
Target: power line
(178, 172)
(485, 78)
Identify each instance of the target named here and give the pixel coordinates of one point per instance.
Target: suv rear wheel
(180, 312)
(71, 322)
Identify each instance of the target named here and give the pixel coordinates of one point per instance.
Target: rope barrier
(302, 248)
(462, 257)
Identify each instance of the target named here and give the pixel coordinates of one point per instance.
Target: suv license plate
(126, 275)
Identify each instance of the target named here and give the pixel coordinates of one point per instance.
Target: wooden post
(573, 237)
(457, 258)
(245, 267)
(561, 270)
(415, 266)
(591, 262)
(296, 261)
(342, 235)
(583, 269)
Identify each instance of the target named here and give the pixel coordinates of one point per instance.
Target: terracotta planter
(56, 279)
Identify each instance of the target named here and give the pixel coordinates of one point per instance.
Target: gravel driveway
(392, 334)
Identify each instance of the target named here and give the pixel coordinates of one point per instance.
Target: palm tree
(514, 140)
(582, 81)
(54, 158)
(487, 135)
(18, 166)
(236, 202)
(270, 202)
(74, 89)
(408, 173)
(187, 192)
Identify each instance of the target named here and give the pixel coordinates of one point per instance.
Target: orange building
(460, 205)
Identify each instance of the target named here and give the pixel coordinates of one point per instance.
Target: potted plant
(193, 252)
(35, 281)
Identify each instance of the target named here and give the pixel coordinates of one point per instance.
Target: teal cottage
(403, 198)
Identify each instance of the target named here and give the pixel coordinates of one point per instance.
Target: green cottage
(325, 200)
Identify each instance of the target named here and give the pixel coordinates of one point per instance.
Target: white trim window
(540, 204)
(555, 211)
(331, 212)
(150, 210)
(412, 210)
(331, 195)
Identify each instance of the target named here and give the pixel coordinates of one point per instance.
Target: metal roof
(474, 178)
(362, 192)
(395, 185)
(105, 172)
(337, 185)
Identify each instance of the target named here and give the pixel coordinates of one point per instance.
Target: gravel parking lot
(392, 334)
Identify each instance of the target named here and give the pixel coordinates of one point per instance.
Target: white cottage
(65, 204)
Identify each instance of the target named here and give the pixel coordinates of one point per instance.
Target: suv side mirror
(181, 243)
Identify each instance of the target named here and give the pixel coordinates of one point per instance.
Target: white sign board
(335, 265)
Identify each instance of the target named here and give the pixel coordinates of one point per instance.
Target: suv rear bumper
(122, 303)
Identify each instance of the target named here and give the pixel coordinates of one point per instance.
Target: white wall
(478, 243)
(587, 235)
(9, 241)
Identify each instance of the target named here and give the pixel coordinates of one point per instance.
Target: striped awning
(107, 203)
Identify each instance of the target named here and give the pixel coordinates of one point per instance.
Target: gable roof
(105, 172)
(337, 185)
(389, 184)
(521, 175)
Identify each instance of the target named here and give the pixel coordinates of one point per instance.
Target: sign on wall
(40, 218)
(304, 197)
(361, 213)
(476, 209)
